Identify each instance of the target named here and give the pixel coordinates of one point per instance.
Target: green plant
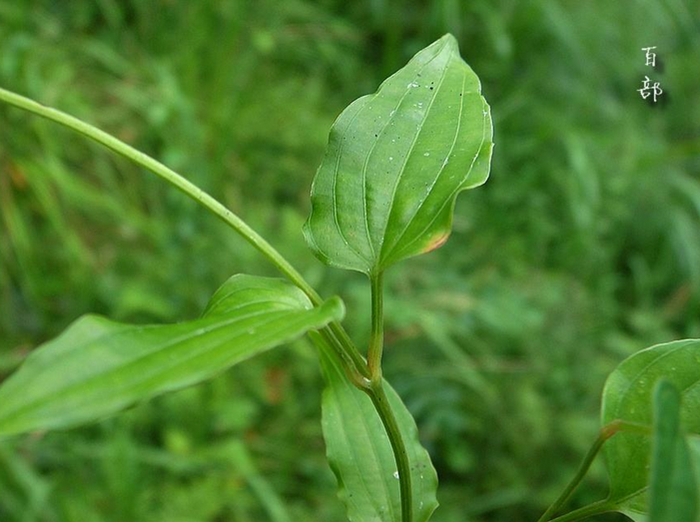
(385, 191)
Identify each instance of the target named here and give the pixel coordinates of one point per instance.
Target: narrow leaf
(673, 491)
(628, 395)
(397, 159)
(98, 367)
(360, 454)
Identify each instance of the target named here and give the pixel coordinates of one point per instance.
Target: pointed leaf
(360, 454)
(628, 395)
(396, 161)
(98, 367)
(673, 491)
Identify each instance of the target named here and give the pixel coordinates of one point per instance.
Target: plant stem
(376, 340)
(339, 339)
(381, 404)
(606, 433)
(378, 396)
(597, 508)
(171, 177)
(334, 334)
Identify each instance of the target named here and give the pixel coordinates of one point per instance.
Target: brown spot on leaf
(436, 242)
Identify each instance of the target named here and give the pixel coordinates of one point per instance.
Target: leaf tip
(449, 40)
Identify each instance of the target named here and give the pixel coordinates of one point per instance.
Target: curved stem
(606, 433)
(376, 340)
(169, 175)
(334, 334)
(340, 342)
(381, 404)
(597, 508)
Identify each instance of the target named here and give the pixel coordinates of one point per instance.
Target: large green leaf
(97, 367)
(628, 396)
(397, 159)
(673, 493)
(360, 454)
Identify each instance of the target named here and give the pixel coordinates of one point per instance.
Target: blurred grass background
(583, 247)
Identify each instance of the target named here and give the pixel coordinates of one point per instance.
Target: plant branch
(336, 336)
(606, 433)
(376, 342)
(171, 177)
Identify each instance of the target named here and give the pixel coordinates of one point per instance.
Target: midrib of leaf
(621, 503)
(452, 197)
(213, 351)
(140, 361)
(400, 236)
(377, 461)
(68, 390)
(371, 98)
(412, 147)
(360, 472)
(210, 309)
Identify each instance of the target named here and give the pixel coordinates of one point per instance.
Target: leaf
(98, 367)
(628, 396)
(397, 159)
(360, 454)
(673, 490)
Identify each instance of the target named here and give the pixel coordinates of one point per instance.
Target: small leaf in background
(98, 367)
(397, 159)
(628, 395)
(672, 488)
(360, 454)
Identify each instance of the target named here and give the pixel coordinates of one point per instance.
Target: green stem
(381, 404)
(339, 339)
(606, 433)
(334, 334)
(378, 396)
(597, 508)
(376, 340)
(169, 175)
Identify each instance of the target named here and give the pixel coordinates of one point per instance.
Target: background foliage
(582, 248)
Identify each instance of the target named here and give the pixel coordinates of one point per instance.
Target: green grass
(582, 248)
